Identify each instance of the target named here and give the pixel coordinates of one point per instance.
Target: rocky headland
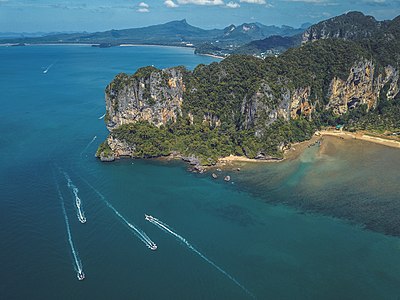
(250, 107)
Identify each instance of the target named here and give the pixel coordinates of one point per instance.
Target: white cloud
(144, 5)
(233, 5)
(170, 4)
(254, 1)
(202, 2)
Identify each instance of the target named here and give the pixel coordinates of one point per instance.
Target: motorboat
(81, 275)
(148, 217)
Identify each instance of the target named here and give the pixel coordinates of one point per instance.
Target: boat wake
(78, 267)
(137, 232)
(167, 229)
(88, 145)
(47, 69)
(78, 203)
(102, 117)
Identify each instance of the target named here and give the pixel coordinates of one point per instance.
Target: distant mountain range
(175, 33)
(248, 38)
(352, 26)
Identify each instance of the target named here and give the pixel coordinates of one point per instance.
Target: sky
(99, 15)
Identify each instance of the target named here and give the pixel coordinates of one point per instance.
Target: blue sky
(97, 15)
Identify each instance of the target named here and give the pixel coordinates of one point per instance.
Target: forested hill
(353, 26)
(255, 107)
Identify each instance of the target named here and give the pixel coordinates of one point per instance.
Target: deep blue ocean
(251, 241)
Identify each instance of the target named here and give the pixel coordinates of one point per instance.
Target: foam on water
(88, 145)
(78, 202)
(78, 267)
(167, 229)
(138, 232)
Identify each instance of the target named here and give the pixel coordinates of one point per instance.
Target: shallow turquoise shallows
(217, 241)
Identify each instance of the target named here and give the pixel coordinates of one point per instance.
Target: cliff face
(300, 104)
(155, 97)
(363, 86)
(258, 110)
(120, 147)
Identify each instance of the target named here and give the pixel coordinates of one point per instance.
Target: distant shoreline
(120, 45)
(91, 44)
(45, 44)
(151, 45)
(210, 55)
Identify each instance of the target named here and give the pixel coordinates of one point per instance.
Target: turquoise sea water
(276, 252)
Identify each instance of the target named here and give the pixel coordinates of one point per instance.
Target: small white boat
(148, 217)
(81, 276)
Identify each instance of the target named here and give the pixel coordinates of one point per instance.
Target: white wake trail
(167, 229)
(102, 117)
(88, 145)
(138, 233)
(78, 202)
(78, 267)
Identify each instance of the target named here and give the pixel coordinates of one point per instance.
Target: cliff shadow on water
(349, 179)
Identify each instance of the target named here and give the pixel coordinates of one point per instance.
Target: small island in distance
(345, 73)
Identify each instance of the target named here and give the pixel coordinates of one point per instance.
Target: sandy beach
(235, 158)
(385, 141)
(298, 148)
(211, 55)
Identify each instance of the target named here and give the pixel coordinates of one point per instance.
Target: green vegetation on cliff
(104, 150)
(209, 144)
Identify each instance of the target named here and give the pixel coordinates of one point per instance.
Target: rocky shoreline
(233, 162)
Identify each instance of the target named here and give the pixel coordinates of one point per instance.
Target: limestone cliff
(264, 107)
(301, 103)
(363, 86)
(151, 95)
